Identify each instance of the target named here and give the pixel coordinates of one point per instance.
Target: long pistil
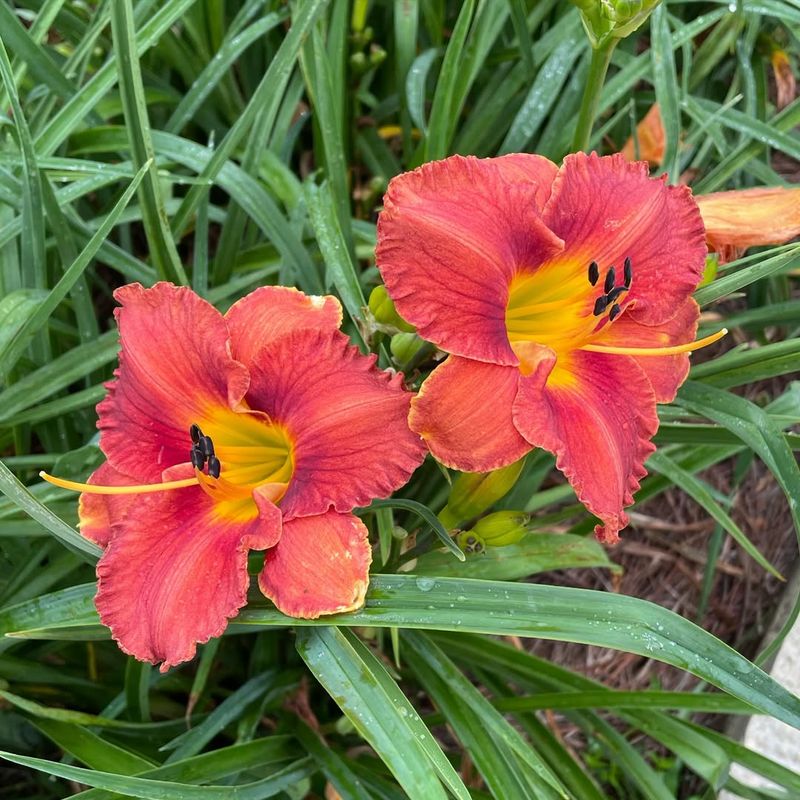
(93, 488)
(657, 351)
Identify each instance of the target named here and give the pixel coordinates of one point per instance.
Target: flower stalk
(601, 58)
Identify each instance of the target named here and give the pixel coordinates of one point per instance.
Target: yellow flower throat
(232, 454)
(568, 315)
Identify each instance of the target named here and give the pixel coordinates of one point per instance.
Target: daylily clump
(563, 298)
(257, 430)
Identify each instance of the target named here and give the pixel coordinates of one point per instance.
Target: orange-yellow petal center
(253, 453)
(234, 454)
(565, 308)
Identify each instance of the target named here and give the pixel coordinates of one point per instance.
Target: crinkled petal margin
(175, 571)
(320, 566)
(271, 311)
(596, 414)
(607, 209)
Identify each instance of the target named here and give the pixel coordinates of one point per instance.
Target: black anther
(214, 467)
(195, 433)
(615, 293)
(628, 269)
(594, 272)
(600, 305)
(615, 312)
(206, 446)
(611, 279)
(198, 460)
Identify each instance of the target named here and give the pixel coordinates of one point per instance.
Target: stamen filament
(656, 351)
(92, 488)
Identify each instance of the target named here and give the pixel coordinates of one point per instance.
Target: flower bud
(470, 542)
(502, 528)
(710, 271)
(404, 346)
(384, 312)
(613, 19)
(473, 492)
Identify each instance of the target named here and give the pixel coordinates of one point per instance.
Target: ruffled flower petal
(271, 311)
(606, 209)
(347, 420)
(97, 513)
(750, 217)
(596, 414)
(666, 373)
(320, 566)
(175, 364)
(175, 570)
(536, 173)
(463, 412)
(451, 237)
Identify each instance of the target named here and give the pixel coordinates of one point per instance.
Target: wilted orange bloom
(784, 78)
(746, 218)
(651, 136)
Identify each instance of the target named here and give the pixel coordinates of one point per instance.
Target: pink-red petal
(175, 364)
(97, 513)
(320, 566)
(606, 209)
(463, 412)
(175, 571)
(536, 173)
(596, 414)
(271, 311)
(666, 373)
(451, 236)
(347, 421)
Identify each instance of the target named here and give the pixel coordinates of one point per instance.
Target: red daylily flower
(258, 430)
(563, 297)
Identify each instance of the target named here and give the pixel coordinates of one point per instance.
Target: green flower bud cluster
(384, 312)
(495, 530)
(612, 19)
(474, 492)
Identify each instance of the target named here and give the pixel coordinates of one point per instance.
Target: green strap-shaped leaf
(167, 790)
(493, 607)
(381, 713)
(499, 751)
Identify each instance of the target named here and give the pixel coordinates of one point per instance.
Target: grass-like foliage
(230, 144)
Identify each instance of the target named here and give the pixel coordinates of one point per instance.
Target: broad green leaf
(16, 309)
(380, 712)
(18, 493)
(506, 761)
(91, 749)
(667, 89)
(11, 349)
(342, 271)
(536, 552)
(445, 110)
(168, 790)
(159, 238)
(494, 607)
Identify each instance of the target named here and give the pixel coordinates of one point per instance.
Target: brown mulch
(664, 552)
